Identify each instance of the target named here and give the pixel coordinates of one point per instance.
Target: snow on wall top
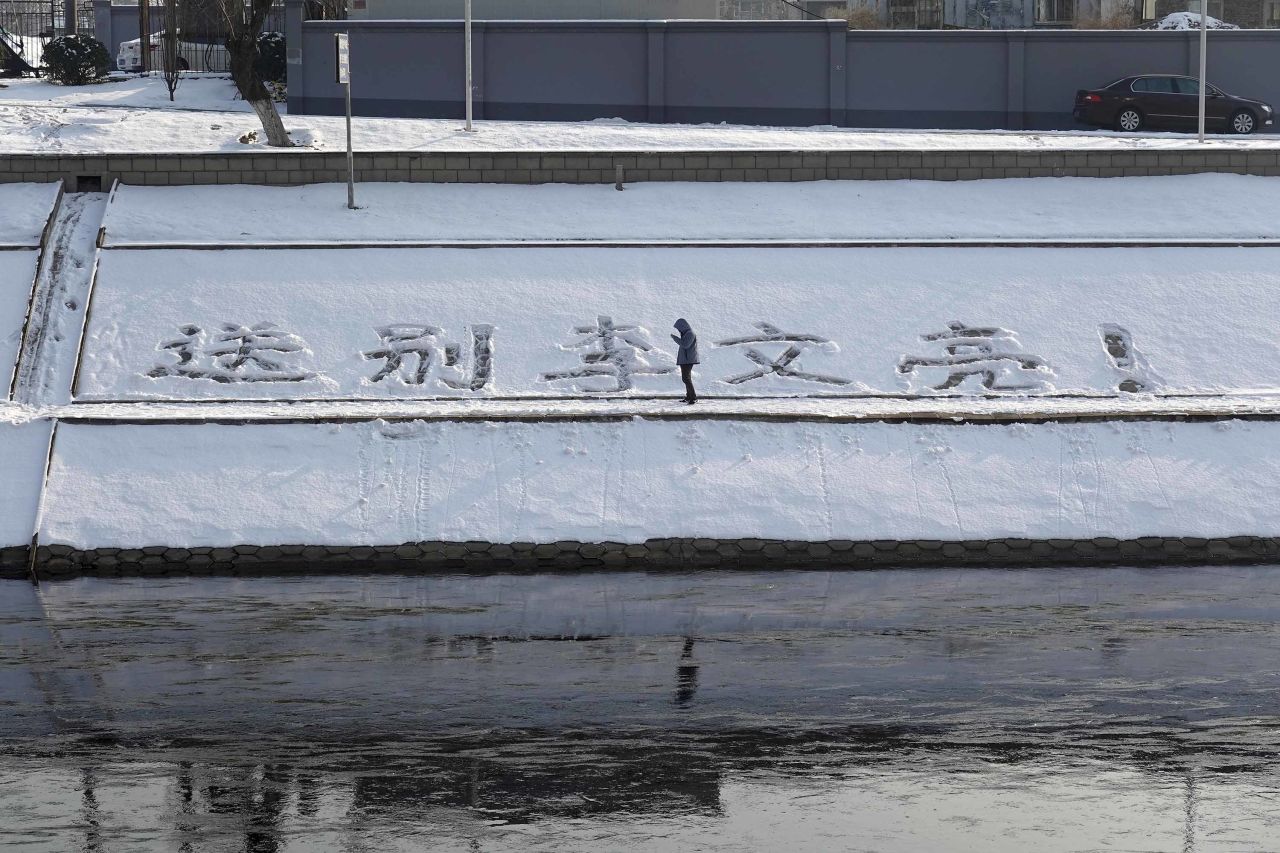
(24, 211)
(1190, 21)
(416, 323)
(1186, 206)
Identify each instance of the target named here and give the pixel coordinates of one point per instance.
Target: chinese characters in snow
(989, 354)
(784, 363)
(412, 353)
(235, 353)
(612, 353)
(611, 356)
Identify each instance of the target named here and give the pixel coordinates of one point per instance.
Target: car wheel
(182, 64)
(1129, 120)
(1243, 122)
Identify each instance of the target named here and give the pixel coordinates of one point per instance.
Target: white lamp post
(1204, 43)
(466, 36)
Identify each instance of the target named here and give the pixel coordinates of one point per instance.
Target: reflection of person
(687, 357)
(686, 676)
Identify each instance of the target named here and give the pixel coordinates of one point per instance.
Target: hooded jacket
(688, 342)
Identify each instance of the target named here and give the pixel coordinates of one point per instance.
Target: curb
(59, 562)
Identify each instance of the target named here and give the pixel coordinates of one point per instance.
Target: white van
(192, 56)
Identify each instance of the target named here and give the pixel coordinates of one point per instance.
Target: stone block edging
(54, 562)
(294, 167)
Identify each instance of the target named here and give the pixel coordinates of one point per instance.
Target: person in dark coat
(687, 357)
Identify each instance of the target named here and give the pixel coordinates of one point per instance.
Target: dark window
(1160, 85)
(1187, 86)
(1055, 11)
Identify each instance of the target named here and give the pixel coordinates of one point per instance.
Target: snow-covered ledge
(291, 167)
(452, 496)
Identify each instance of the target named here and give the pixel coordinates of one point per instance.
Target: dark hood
(682, 325)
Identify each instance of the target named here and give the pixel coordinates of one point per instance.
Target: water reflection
(604, 791)
(686, 675)
(894, 711)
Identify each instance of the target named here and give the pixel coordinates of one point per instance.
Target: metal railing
(31, 24)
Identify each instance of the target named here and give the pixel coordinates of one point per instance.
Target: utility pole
(69, 16)
(466, 37)
(1204, 57)
(144, 33)
(343, 45)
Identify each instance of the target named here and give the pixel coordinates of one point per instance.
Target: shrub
(863, 18)
(74, 60)
(270, 64)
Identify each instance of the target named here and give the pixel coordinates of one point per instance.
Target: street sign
(344, 57)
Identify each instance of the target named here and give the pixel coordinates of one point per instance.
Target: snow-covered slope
(1157, 208)
(516, 325)
(380, 483)
(380, 323)
(24, 210)
(22, 461)
(17, 274)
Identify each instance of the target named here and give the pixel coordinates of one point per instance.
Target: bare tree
(169, 48)
(244, 20)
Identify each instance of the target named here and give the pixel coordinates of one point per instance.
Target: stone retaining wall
(57, 562)
(308, 167)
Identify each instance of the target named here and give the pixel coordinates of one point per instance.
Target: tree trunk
(169, 47)
(243, 50)
(270, 117)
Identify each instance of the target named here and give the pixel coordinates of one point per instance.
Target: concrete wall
(760, 72)
(287, 168)
(113, 24)
(757, 72)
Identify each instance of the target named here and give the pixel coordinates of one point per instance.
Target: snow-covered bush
(74, 60)
(270, 64)
(1190, 21)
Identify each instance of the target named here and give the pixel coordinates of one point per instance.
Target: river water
(1067, 709)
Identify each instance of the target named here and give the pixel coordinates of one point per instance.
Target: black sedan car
(1170, 102)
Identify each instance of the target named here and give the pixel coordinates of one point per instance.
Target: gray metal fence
(777, 72)
(200, 27)
(29, 25)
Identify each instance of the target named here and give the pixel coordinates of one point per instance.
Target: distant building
(544, 10)
(597, 10)
(1059, 14)
(890, 14)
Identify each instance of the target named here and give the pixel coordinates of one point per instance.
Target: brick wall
(292, 167)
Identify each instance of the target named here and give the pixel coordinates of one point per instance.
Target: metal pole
(351, 160)
(466, 36)
(1204, 56)
(144, 34)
